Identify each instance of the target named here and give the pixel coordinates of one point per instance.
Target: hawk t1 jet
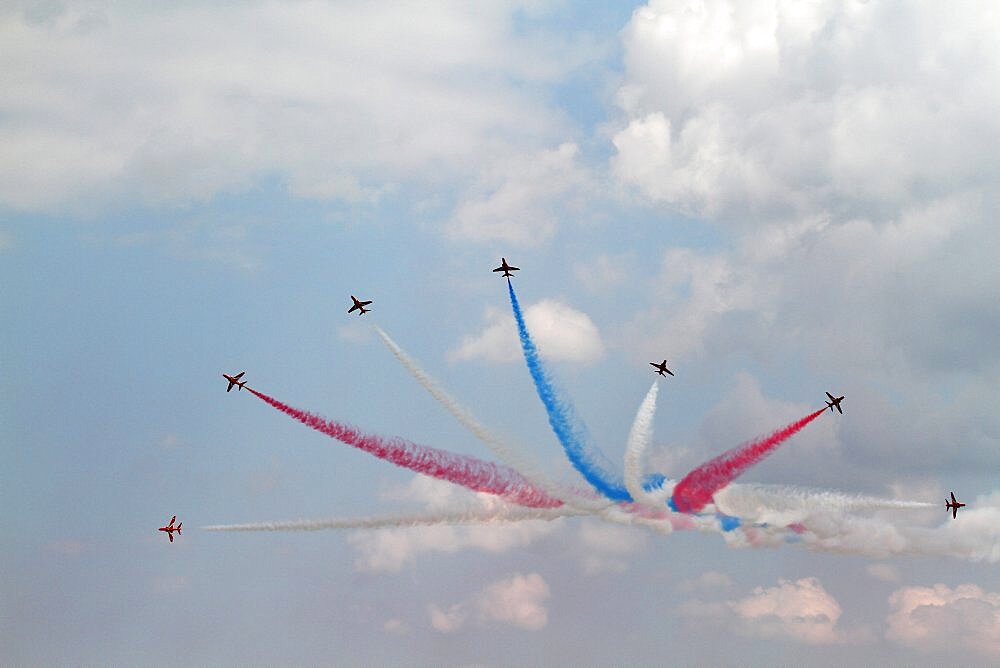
(506, 268)
(170, 528)
(953, 506)
(234, 380)
(661, 368)
(359, 306)
(834, 403)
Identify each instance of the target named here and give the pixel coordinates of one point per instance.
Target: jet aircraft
(834, 403)
(170, 528)
(506, 268)
(953, 506)
(359, 306)
(661, 368)
(234, 380)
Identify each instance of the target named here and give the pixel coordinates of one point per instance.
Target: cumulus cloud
(517, 601)
(447, 621)
(176, 103)
(388, 550)
(943, 618)
(802, 611)
(561, 332)
(746, 111)
(849, 148)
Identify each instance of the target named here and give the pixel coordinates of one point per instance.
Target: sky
(780, 198)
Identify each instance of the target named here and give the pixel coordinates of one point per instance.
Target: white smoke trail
(783, 505)
(638, 440)
(485, 516)
(974, 536)
(506, 454)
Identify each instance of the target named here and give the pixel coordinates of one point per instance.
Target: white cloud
(516, 601)
(388, 550)
(171, 103)
(751, 110)
(447, 621)
(561, 333)
(802, 611)
(942, 618)
(522, 201)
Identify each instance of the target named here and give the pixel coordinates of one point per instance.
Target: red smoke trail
(695, 490)
(475, 474)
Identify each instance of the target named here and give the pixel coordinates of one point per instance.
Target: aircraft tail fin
(179, 528)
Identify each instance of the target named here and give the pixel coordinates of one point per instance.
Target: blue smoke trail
(568, 428)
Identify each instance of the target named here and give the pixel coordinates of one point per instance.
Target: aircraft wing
(239, 375)
(170, 536)
(953, 499)
(954, 512)
(832, 398)
(839, 409)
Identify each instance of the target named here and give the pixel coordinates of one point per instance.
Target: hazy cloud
(883, 572)
(522, 201)
(607, 548)
(176, 103)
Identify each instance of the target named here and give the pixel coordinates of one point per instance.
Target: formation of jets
(661, 368)
(359, 306)
(234, 380)
(170, 528)
(953, 506)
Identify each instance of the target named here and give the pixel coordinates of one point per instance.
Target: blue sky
(779, 198)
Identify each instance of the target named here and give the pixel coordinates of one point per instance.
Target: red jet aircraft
(234, 380)
(170, 528)
(953, 506)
